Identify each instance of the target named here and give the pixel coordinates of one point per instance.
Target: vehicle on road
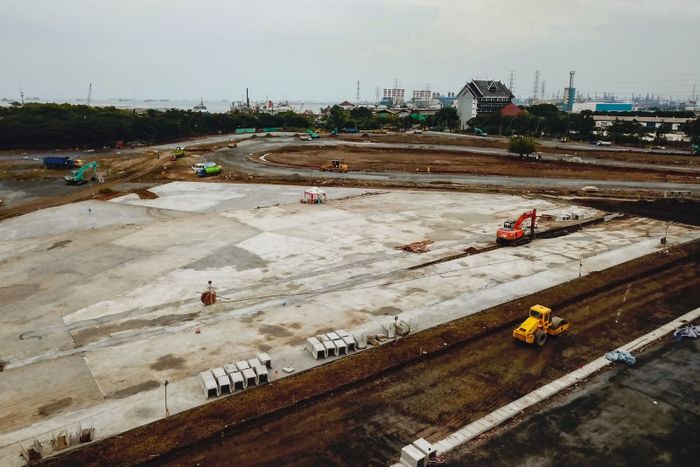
(312, 134)
(515, 232)
(305, 137)
(177, 153)
(480, 132)
(208, 169)
(539, 324)
(335, 165)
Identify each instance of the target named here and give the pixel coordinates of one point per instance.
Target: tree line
(42, 126)
(365, 119)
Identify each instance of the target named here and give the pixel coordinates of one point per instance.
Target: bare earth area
(368, 159)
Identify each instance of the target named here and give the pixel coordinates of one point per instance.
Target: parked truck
(52, 162)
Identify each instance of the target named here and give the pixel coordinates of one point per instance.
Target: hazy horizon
(317, 50)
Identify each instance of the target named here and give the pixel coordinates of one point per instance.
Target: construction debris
(416, 247)
(621, 356)
(687, 330)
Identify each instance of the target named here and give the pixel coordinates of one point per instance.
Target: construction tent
(314, 195)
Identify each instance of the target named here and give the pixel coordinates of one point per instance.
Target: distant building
(395, 95)
(481, 97)
(511, 110)
(603, 107)
(347, 105)
(423, 94)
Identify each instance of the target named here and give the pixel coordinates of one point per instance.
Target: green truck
(209, 169)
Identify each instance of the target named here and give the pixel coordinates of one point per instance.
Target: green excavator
(86, 173)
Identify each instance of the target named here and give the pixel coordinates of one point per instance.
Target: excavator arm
(525, 216)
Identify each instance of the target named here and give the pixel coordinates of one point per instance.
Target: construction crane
(515, 233)
(538, 324)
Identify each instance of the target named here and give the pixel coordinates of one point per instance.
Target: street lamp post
(165, 386)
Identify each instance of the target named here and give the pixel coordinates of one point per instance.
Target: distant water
(213, 106)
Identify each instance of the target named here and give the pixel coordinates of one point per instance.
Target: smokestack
(247, 100)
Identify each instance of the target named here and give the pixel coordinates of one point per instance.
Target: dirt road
(425, 385)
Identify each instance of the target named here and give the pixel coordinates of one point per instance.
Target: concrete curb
(495, 418)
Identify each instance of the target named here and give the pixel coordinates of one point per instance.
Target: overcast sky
(319, 49)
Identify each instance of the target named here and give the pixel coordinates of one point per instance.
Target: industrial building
(481, 96)
(603, 107)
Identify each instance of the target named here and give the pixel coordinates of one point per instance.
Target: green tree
(692, 129)
(447, 117)
(523, 145)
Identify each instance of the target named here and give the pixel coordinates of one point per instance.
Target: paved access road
(239, 158)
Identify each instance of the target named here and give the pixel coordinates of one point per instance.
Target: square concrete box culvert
(208, 384)
(251, 379)
(317, 350)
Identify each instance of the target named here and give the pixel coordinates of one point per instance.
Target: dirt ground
(362, 409)
(686, 211)
(629, 153)
(45, 188)
(366, 159)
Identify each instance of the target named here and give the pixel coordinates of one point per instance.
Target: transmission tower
(511, 82)
(542, 91)
(536, 85)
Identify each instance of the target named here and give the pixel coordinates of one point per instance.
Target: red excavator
(513, 232)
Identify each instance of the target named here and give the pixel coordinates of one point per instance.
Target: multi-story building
(395, 95)
(481, 96)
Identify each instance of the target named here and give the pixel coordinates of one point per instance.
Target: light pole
(165, 386)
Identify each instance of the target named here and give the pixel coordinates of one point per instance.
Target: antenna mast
(536, 85)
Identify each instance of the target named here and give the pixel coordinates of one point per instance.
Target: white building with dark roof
(481, 96)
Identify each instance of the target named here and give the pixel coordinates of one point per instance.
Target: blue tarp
(687, 331)
(621, 356)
